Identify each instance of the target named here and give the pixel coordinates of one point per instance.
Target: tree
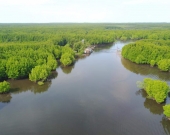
(4, 87)
(149, 52)
(57, 53)
(155, 89)
(166, 109)
(152, 63)
(2, 69)
(39, 73)
(67, 59)
(12, 68)
(140, 59)
(51, 62)
(164, 64)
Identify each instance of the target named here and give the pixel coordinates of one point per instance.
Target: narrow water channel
(96, 96)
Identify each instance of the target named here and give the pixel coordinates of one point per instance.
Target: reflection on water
(142, 93)
(53, 75)
(67, 70)
(166, 125)
(145, 70)
(150, 104)
(19, 86)
(155, 108)
(5, 98)
(103, 47)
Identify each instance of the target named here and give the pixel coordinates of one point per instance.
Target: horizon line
(71, 22)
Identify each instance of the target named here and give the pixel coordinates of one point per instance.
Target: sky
(84, 11)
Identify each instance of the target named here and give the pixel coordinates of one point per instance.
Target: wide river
(96, 96)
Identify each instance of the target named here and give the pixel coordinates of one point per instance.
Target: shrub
(4, 87)
(40, 83)
(166, 109)
(152, 63)
(67, 59)
(155, 89)
(39, 73)
(164, 64)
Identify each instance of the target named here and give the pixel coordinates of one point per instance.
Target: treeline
(153, 52)
(69, 36)
(35, 61)
(62, 34)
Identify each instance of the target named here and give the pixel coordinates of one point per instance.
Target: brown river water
(96, 96)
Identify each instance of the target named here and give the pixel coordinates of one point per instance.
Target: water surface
(95, 96)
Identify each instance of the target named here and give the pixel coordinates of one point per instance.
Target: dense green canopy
(27, 48)
(155, 89)
(153, 52)
(166, 109)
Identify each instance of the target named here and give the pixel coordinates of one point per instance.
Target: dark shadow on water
(153, 107)
(53, 75)
(68, 69)
(5, 98)
(24, 85)
(40, 89)
(145, 70)
(83, 56)
(169, 94)
(150, 104)
(142, 93)
(166, 125)
(19, 86)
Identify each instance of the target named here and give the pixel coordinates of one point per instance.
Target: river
(96, 96)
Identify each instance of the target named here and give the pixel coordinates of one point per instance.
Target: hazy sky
(44, 11)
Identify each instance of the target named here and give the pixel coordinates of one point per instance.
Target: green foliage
(67, 59)
(160, 96)
(164, 64)
(57, 53)
(67, 49)
(123, 38)
(152, 63)
(149, 52)
(3, 74)
(4, 87)
(18, 60)
(12, 68)
(40, 83)
(39, 73)
(166, 109)
(156, 89)
(140, 59)
(80, 46)
(25, 46)
(51, 62)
